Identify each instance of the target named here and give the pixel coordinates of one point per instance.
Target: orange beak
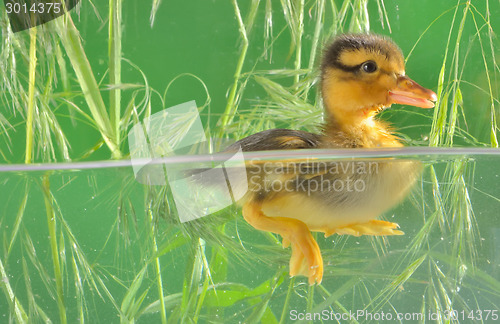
(408, 92)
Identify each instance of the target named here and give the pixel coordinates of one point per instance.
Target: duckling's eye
(369, 66)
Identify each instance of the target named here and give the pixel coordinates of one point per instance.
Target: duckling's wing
(273, 139)
(276, 139)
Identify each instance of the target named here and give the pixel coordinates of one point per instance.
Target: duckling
(361, 74)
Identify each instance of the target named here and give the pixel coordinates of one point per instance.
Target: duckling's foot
(373, 227)
(298, 262)
(306, 256)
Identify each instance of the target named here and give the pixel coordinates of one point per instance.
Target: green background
(202, 38)
(448, 257)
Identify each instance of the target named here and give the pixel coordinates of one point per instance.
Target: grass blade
(115, 58)
(51, 222)
(70, 38)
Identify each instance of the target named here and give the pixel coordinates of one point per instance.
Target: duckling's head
(362, 74)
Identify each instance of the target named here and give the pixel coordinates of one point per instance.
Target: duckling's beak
(408, 92)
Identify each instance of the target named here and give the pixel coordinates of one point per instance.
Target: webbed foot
(373, 227)
(306, 256)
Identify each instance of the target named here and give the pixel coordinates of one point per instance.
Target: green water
(104, 241)
(116, 240)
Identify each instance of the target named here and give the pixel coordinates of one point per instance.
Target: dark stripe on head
(356, 42)
(346, 68)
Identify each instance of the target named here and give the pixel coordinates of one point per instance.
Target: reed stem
(20, 314)
(115, 57)
(157, 265)
(230, 110)
(70, 38)
(284, 311)
(31, 97)
(51, 223)
(298, 42)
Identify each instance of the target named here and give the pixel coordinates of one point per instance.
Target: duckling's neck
(364, 132)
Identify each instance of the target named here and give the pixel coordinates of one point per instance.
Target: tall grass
(31, 97)
(149, 266)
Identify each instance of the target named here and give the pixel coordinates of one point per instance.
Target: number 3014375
(36, 8)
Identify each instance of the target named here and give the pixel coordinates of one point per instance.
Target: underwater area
(93, 232)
